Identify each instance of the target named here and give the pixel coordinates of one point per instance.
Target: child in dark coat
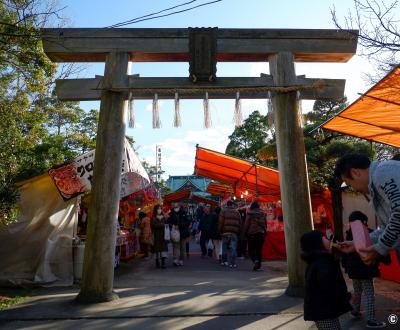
(326, 296)
(362, 276)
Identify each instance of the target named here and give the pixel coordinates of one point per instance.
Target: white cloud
(178, 155)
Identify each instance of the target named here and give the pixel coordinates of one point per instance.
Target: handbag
(167, 233)
(175, 234)
(197, 237)
(210, 245)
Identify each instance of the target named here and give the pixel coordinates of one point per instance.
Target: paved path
(199, 295)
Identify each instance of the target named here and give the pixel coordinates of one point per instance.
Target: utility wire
(146, 17)
(152, 14)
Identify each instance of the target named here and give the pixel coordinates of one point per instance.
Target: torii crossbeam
(202, 48)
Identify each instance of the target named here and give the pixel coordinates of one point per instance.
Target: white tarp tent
(38, 248)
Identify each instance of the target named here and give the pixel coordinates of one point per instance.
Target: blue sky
(178, 144)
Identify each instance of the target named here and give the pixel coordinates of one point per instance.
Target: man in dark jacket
(205, 226)
(254, 230)
(230, 226)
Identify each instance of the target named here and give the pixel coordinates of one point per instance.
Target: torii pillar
(97, 279)
(292, 165)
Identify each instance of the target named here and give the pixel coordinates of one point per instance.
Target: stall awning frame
(242, 175)
(177, 196)
(375, 116)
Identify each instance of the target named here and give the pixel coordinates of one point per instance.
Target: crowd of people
(223, 233)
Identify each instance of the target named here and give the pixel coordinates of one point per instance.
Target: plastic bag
(197, 237)
(175, 234)
(167, 233)
(210, 245)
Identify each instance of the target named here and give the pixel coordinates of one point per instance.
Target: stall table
(274, 241)
(127, 245)
(392, 271)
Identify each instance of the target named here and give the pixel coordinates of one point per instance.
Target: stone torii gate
(202, 48)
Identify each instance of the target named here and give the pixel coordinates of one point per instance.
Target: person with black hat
(326, 296)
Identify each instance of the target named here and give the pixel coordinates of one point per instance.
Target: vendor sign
(76, 177)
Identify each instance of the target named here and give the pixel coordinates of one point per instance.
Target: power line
(147, 17)
(152, 14)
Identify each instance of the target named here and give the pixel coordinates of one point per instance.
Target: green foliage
(324, 148)
(37, 131)
(247, 139)
(324, 110)
(160, 185)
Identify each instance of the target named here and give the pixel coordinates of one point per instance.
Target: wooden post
(98, 268)
(255, 168)
(295, 192)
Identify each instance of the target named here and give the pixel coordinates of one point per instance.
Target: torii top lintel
(172, 45)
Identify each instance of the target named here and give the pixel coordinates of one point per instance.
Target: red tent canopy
(240, 174)
(204, 200)
(177, 196)
(219, 189)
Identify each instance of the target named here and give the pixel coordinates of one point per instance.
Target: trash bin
(79, 252)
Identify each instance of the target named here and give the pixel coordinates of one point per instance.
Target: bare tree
(377, 22)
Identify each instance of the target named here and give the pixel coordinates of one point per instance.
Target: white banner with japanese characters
(76, 177)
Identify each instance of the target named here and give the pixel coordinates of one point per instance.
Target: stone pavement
(199, 295)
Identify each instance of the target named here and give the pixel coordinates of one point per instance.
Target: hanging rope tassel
(131, 112)
(177, 115)
(207, 116)
(237, 117)
(270, 109)
(302, 116)
(156, 113)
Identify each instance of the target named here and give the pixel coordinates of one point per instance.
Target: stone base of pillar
(295, 291)
(94, 298)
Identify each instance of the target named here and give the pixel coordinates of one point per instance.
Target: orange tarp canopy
(239, 173)
(204, 200)
(177, 196)
(375, 116)
(218, 189)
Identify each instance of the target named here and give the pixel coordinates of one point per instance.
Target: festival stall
(136, 191)
(43, 247)
(37, 249)
(249, 181)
